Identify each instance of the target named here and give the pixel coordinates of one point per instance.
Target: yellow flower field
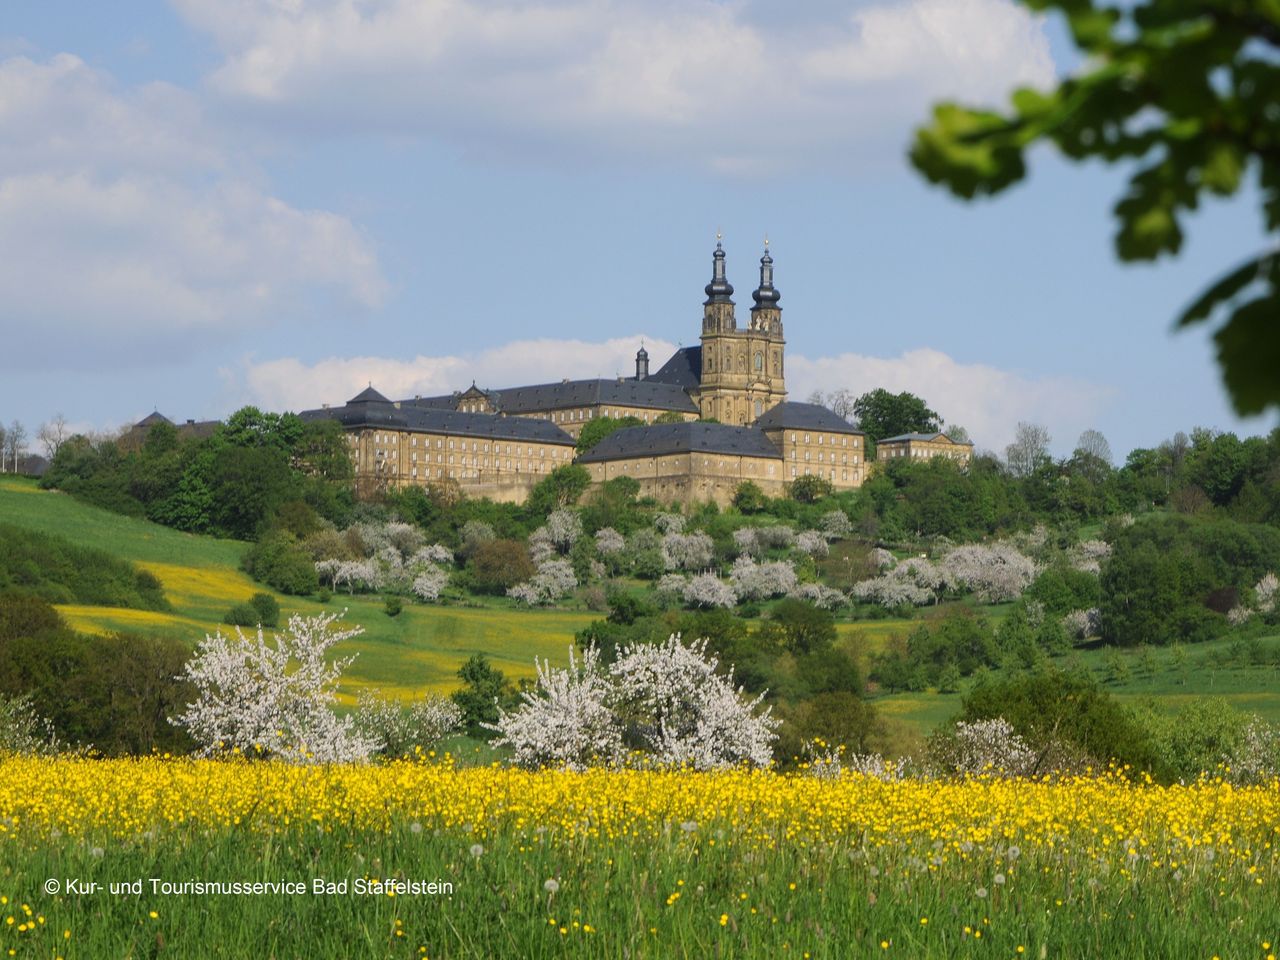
(640, 863)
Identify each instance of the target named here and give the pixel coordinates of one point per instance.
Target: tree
(1030, 449)
(840, 402)
(15, 444)
(484, 687)
(52, 435)
(809, 489)
(596, 430)
(560, 488)
(274, 699)
(883, 414)
(1094, 444)
(749, 498)
(1181, 94)
(498, 565)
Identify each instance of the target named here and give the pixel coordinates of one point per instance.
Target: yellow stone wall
(923, 450)
(694, 477)
(836, 457)
(386, 459)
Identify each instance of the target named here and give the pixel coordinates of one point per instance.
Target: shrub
(61, 571)
(268, 609)
(498, 565)
(242, 615)
(392, 605)
(280, 562)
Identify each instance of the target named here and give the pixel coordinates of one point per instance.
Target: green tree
(484, 687)
(560, 488)
(809, 489)
(883, 414)
(1182, 94)
(596, 430)
(496, 565)
(749, 498)
(800, 627)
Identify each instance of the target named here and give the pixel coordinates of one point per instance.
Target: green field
(416, 652)
(420, 650)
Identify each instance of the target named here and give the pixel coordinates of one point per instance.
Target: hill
(416, 652)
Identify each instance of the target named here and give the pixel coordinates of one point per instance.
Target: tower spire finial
(719, 290)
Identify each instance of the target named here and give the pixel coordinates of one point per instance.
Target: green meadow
(418, 651)
(421, 649)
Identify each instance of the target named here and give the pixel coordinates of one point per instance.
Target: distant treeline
(1203, 473)
(253, 469)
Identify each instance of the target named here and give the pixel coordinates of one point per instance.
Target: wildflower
(551, 885)
(998, 879)
(477, 850)
(981, 892)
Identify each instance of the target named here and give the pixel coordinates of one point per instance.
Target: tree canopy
(1184, 95)
(883, 414)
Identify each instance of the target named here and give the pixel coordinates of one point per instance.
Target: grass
(417, 652)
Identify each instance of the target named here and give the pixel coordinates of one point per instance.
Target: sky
(212, 203)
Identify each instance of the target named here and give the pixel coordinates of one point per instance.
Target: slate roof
(431, 420)
(447, 402)
(585, 393)
(804, 416)
(368, 395)
(151, 419)
(666, 438)
(684, 369)
(923, 436)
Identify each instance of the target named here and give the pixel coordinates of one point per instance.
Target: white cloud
(127, 231)
(987, 401)
(690, 82)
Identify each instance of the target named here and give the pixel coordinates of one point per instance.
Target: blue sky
(207, 203)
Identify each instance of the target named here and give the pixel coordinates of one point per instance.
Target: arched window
(759, 361)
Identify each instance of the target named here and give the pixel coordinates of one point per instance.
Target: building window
(759, 408)
(759, 362)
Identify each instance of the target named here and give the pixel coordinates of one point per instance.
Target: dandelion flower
(551, 885)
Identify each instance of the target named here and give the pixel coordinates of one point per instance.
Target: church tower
(741, 369)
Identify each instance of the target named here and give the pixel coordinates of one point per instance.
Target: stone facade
(923, 446)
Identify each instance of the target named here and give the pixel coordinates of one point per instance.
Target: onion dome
(719, 290)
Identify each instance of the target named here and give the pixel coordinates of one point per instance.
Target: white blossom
(995, 573)
(984, 747)
(564, 527)
(820, 595)
(1266, 593)
(778, 536)
(668, 698)
(684, 712)
(760, 581)
(541, 547)
(609, 542)
(401, 728)
(671, 584)
(708, 590)
(273, 699)
(435, 553)
(687, 551)
(554, 579)
(882, 558)
(350, 573)
(1087, 555)
(1082, 624)
(835, 525)
(429, 583)
(669, 522)
(744, 538)
(567, 720)
(813, 543)
(916, 582)
(1238, 614)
